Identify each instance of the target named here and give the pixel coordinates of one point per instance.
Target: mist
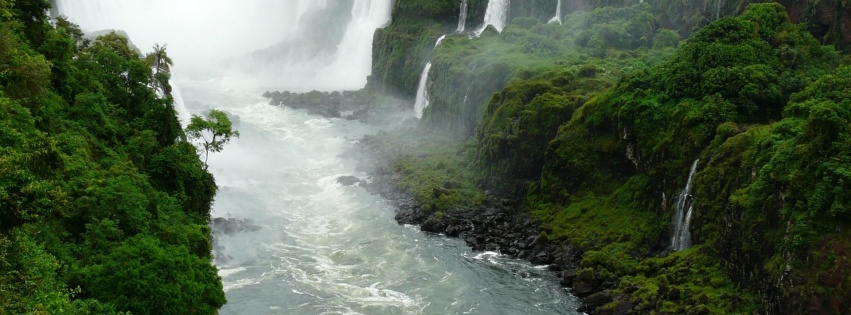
(299, 45)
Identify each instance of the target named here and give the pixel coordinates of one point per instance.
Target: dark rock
(348, 180)
(327, 104)
(433, 224)
(598, 299)
(232, 225)
(567, 277)
(583, 288)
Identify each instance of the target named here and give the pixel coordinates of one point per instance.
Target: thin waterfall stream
(681, 239)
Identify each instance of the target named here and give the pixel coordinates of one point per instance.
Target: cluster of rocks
(501, 225)
(349, 180)
(229, 226)
(232, 226)
(351, 104)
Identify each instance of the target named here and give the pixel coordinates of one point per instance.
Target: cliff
(592, 126)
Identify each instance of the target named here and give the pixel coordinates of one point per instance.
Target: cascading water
(422, 89)
(321, 247)
(557, 17)
(439, 40)
(422, 93)
(681, 240)
(496, 15)
(301, 44)
(179, 106)
(354, 54)
(462, 17)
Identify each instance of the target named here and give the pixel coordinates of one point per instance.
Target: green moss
(436, 171)
(681, 283)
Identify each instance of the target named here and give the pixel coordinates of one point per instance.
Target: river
(322, 248)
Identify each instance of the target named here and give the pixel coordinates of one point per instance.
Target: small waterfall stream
(496, 15)
(681, 240)
(557, 17)
(422, 94)
(462, 17)
(422, 90)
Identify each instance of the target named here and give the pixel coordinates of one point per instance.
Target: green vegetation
(435, 170)
(595, 123)
(217, 126)
(104, 208)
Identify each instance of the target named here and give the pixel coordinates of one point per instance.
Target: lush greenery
(595, 124)
(217, 126)
(104, 207)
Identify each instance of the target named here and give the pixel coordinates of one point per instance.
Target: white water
(422, 101)
(179, 105)
(558, 16)
(353, 61)
(681, 239)
(439, 40)
(322, 248)
(422, 92)
(258, 43)
(462, 17)
(496, 15)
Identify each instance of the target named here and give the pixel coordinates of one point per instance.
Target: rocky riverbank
(499, 224)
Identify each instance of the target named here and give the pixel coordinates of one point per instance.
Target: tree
(217, 126)
(161, 64)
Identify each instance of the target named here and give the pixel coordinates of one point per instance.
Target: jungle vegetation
(594, 124)
(104, 205)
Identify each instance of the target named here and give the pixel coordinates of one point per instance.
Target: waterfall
(681, 239)
(422, 93)
(462, 17)
(557, 17)
(439, 40)
(353, 62)
(718, 9)
(496, 15)
(179, 106)
(467, 94)
(297, 44)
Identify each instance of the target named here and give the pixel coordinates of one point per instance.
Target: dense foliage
(103, 205)
(595, 124)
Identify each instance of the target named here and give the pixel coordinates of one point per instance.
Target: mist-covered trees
(103, 206)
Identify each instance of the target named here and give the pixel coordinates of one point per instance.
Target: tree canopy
(214, 132)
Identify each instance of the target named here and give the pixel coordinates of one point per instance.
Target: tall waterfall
(298, 44)
(681, 239)
(422, 93)
(462, 17)
(496, 15)
(367, 15)
(557, 17)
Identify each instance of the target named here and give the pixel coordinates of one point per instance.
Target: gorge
(426, 157)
